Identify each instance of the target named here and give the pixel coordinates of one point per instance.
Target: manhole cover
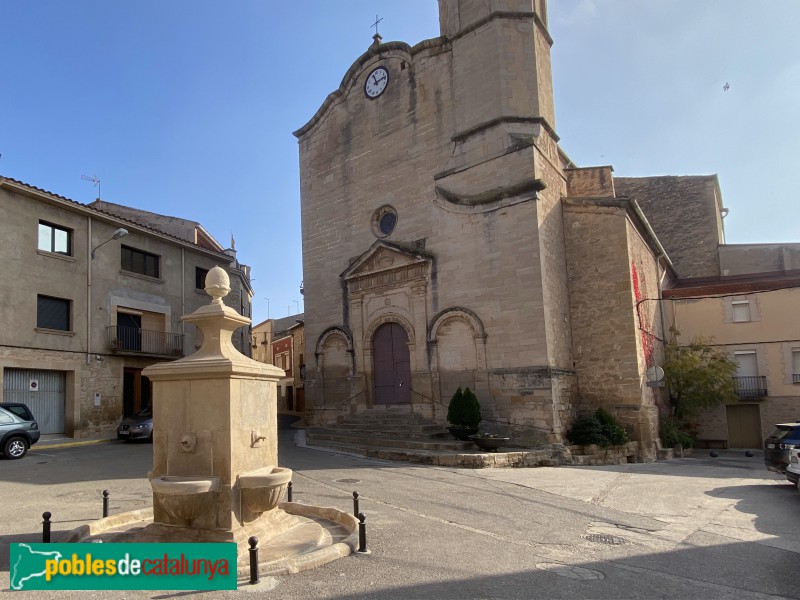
(601, 538)
(348, 481)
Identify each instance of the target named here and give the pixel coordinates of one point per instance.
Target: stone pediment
(383, 257)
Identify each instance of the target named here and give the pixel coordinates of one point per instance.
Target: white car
(793, 470)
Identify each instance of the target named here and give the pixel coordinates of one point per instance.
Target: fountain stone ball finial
(218, 284)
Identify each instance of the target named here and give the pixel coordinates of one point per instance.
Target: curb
(45, 446)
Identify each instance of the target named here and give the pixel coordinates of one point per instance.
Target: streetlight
(119, 233)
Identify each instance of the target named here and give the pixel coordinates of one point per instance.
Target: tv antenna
(95, 182)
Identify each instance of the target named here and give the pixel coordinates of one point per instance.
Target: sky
(187, 107)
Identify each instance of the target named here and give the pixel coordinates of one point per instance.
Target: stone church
(448, 240)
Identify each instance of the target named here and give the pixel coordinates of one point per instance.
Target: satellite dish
(654, 373)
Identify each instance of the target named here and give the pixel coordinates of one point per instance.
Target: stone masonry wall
(684, 213)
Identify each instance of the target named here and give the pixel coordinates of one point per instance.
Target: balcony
(796, 378)
(751, 387)
(132, 340)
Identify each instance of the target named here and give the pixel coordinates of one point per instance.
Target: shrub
(615, 434)
(464, 409)
(600, 428)
(586, 431)
(674, 432)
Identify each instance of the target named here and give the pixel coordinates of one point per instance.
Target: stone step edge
(387, 427)
(386, 434)
(414, 443)
(472, 460)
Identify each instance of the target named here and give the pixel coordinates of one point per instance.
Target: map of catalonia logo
(123, 566)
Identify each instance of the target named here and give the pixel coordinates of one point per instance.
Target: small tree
(464, 409)
(697, 375)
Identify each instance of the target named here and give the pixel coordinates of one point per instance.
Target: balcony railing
(753, 386)
(143, 341)
(796, 378)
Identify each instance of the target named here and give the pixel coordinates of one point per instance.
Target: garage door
(42, 391)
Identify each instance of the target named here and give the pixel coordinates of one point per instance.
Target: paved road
(689, 528)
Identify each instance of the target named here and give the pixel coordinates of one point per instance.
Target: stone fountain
(215, 475)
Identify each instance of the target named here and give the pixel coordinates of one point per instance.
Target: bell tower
(501, 64)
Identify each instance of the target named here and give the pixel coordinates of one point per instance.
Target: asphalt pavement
(696, 527)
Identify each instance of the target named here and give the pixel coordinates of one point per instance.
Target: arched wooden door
(391, 364)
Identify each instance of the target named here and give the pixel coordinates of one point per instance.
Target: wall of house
(769, 333)
(85, 353)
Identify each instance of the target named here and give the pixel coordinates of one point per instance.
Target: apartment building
(93, 295)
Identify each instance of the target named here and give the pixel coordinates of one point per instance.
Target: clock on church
(376, 82)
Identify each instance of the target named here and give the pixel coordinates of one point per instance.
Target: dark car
(137, 427)
(18, 429)
(777, 446)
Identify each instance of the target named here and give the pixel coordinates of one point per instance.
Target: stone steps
(329, 438)
(469, 459)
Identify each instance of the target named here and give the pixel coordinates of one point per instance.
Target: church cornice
(462, 135)
(500, 14)
(527, 186)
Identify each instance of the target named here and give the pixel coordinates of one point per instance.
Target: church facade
(448, 241)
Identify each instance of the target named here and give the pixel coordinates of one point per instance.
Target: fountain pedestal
(214, 419)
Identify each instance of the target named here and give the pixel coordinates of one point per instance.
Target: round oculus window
(384, 220)
(387, 223)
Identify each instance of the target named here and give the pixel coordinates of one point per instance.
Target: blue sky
(187, 107)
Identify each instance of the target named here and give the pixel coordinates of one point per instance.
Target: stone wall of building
(613, 277)
(746, 259)
(685, 214)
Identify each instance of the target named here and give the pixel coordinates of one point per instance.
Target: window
(796, 366)
(741, 311)
(53, 313)
(282, 361)
(138, 261)
(384, 221)
(747, 363)
(200, 278)
(53, 238)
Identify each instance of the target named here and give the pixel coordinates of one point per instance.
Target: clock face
(376, 82)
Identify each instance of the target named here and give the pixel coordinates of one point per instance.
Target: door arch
(391, 365)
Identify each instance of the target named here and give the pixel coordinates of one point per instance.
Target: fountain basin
(263, 488)
(185, 498)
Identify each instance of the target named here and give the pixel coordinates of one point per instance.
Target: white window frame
(737, 304)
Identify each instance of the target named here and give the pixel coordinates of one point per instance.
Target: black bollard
(253, 541)
(105, 503)
(289, 492)
(362, 532)
(46, 528)
(355, 504)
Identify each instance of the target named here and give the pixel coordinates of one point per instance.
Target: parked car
(18, 429)
(777, 446)
(137, 427)
(793, 470)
